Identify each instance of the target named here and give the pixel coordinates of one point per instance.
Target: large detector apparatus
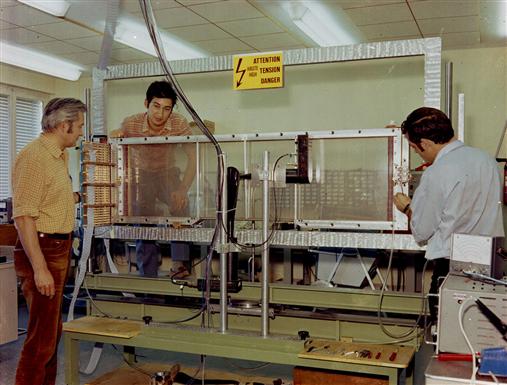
(334, 193)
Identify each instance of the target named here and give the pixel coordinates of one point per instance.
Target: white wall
(47, 87)
(362, 94)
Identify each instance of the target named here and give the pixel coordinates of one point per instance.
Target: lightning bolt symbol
(242, 72)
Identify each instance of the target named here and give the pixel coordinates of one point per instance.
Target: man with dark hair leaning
(44, 214)
(459, 193)
(159, 178)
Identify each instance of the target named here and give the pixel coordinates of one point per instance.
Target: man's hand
(44, 282)
(401, 201)
(116, 133)
(179, 201)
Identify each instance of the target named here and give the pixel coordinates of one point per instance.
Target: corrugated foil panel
(363, 51)
(280, 238)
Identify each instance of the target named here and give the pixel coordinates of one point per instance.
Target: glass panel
(357, 188)
(353, 181)
(153, 180)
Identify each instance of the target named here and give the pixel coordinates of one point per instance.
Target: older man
(44, 213)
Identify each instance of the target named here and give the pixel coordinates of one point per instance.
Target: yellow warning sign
(258, 71)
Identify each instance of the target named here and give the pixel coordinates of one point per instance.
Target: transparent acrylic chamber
(352, 178)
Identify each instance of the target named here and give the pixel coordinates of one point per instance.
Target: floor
(111, 359)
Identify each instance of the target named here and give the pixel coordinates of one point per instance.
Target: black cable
(245, 246)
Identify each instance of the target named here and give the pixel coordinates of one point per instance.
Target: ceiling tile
(177, 17)
(23, 36)
(25, 16)
(223, 45)
(394, 38)
(383, 31)
(449, 25)
(9, 3)
(128, 54)
(460, 40)
(227, 10)
(250, 27)
(92, 43)
(5, 25)
(287, 47)
(236, 52)
(132, 6)
(188, 3)
(199, 32)
(444, 8)
(83, 57)
(64, 29)
(55, 47)
(276, 40)
(347, 4)
(380, 14)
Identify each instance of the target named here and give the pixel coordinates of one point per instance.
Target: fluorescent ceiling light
(132, 32)
(325, 26)
(54, 7)
(38, 62)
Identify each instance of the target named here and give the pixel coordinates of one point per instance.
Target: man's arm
(179, 197)
(27, 233)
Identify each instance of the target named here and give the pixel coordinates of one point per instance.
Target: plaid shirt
(154, 156)
(42, 188)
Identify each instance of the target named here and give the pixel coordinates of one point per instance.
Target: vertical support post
(448, 89)
(461, 117)
(223, 254)
(265, 248)
(129, 354)
(71, 347)
(88, 123)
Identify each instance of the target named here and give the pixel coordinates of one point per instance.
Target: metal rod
(461, 117)
(265, 248)
(223, 255)
(448, 89)
(88, 117)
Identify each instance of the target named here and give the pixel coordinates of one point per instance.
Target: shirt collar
(51, 146)
(147, 130)
(448, 148)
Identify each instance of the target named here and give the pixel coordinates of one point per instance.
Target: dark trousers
(440, 270)
(38, 361)
(153, 186)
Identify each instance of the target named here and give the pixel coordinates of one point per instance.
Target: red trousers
(38, 361)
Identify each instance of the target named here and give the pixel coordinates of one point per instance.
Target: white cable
(493, 377)
(113, 267)
(85, 253)
(460, 319)
(479, 276)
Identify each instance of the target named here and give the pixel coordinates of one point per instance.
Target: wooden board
(8, 303)
(380, 355)
(130, 376)
(104, 327)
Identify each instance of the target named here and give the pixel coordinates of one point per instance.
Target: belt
(55, 236)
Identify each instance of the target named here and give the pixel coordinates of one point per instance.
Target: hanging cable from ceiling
(151, 25)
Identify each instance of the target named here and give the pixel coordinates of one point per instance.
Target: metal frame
(430, 48)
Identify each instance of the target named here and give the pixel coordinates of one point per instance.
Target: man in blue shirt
(459, 193)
